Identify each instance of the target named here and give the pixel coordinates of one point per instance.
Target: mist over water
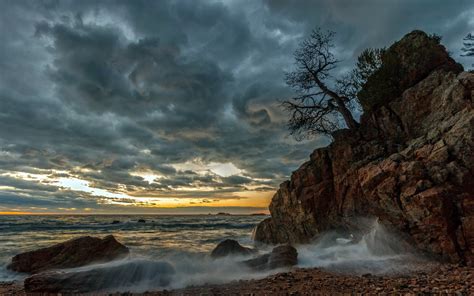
(146, 274)
(374, 250)
(183, 241)
(173, 251)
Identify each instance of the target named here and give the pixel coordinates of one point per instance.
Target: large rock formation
(72, 253)
(410, 163)
(404, 64)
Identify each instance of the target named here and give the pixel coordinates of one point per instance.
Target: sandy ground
(436, 280)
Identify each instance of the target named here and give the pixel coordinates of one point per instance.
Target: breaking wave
(372, 249)
(139, 275)
(375, 250)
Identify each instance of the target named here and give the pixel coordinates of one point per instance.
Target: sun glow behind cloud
(175, 196)
(81, 185)
(148, 104)
(198, 166)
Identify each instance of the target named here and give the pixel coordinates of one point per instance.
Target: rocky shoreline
(432, 279)
(446, 279)
(408, 167)
(90, 264)
(418, 276)
(65, 268)
(409, 164)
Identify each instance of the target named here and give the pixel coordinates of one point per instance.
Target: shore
(434, 279)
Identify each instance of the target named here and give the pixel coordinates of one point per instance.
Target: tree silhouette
(468, 43)
(320, 100)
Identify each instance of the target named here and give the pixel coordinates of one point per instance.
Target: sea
(160, 237)
(184, 242)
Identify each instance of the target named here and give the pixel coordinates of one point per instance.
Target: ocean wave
(15, 227)
(156, 238)
(176, 260)
(138, 275)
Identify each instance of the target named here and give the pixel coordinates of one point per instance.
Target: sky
(166, 107)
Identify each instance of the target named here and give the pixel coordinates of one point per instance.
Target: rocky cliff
(410, 163)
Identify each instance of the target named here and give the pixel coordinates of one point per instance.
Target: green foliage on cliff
(369, 61)
(402, 65)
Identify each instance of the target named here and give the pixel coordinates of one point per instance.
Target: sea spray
(371, 249)
(120, 275)
(191, 270)
(139, 275)
(176, 258)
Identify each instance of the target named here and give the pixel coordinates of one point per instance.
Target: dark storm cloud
(28, 194)
(25, 185)
(373, 23)
(110, 91)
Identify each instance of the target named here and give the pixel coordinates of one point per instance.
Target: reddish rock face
(73, 253)
(410, 163)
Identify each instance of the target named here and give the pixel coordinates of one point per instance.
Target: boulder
(72, 253)
(230, 247)
(410, 163)
(112, 277)
(405, 63)
(279, 257)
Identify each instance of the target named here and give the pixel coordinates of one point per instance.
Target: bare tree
(321, 100)
(468, 48)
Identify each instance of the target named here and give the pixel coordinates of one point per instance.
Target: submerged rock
(279, 257)
(410, 163)
(119, 276)
(230, 247)
(72, 253)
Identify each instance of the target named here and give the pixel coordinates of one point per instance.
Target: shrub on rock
(404, 64)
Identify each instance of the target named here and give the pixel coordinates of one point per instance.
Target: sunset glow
(163, 105)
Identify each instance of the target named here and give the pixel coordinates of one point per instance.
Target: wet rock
(230, 247)
(279, 257)
(72, 253)
(283, 256)
(116, 222)
(121, 275)
(141, 221)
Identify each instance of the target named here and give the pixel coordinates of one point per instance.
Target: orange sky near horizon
(148, 201)
(246, 203)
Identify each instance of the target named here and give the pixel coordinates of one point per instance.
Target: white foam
(10, 276)
(376, 251)
(140, 275)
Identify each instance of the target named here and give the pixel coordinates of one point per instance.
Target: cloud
(143, 100)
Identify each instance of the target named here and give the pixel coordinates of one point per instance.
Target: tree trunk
(341, 107)
(346, 114)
